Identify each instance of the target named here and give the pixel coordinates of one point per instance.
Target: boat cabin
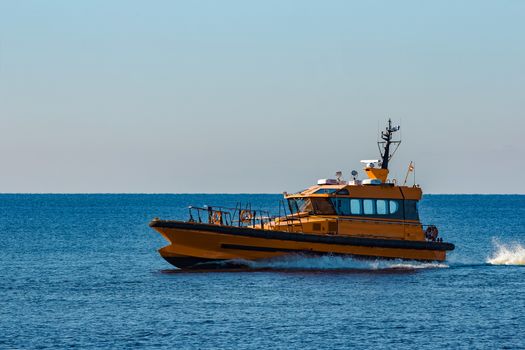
(366, 201)
(382, 210)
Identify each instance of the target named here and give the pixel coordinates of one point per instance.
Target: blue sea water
(82, 271)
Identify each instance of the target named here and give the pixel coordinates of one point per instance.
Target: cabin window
(355, 207)
(382, 207)
(300, 205)
(344, 191)
(394, 206)
(341, 205)
(322, 206)
(325, 190)
(411, 210)
(347, 206)
(369, 207)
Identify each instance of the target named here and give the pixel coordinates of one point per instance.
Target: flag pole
(410, 168)
(414, 170)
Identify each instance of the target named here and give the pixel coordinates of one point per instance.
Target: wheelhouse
(382, 202)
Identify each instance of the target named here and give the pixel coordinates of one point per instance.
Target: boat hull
(197, 245)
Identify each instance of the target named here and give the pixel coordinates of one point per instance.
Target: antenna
(384, 146)
(339, 176)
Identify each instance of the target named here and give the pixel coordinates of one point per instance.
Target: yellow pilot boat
(370, 218)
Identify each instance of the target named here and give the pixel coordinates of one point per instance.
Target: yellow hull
(195, 243)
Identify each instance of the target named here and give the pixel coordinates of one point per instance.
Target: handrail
(220, 215)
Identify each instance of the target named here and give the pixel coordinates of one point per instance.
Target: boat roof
(388, 191)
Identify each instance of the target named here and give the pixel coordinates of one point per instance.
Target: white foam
(327, 262)
(507, 254)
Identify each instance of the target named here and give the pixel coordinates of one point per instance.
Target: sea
(82, 271)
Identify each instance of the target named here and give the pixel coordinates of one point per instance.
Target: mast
(385, 145)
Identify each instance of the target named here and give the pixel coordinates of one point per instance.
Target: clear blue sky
(268, 96)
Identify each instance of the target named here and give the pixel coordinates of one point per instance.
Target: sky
(258, 97)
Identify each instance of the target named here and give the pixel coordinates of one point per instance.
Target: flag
(410, 170)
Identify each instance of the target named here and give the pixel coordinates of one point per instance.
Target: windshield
(300, 205)
(319, 206)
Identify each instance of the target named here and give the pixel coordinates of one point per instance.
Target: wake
(507, 254)
(330, 262)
